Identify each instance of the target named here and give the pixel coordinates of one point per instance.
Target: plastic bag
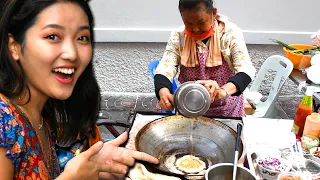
(305, 60)
(316, 38)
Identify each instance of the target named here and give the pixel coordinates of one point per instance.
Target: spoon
(236, 153)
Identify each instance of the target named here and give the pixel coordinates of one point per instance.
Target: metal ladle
(236, 153)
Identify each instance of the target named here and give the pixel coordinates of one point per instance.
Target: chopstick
(301, 163)
(294, 149)
(300, 152)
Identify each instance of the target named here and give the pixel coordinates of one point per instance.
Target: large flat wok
(169, 138)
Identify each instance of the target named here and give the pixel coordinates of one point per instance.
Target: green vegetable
(311, 51)
(283, 44)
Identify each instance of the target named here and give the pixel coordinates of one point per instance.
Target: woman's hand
(214, 89)
(82, 167)
(166, 99)
(112, 153)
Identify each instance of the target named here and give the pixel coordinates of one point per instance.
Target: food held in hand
(309, 141)
(190, 164)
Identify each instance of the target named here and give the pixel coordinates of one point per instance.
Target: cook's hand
(82, 167)
(214, 89)
(166, 99)
(112, 153)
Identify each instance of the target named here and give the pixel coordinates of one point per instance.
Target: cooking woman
(208, 49)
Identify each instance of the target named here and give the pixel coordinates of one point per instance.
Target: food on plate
(190, 164)
(272, 163)
(315, 151)
(140, 172)
(310, 51)
(309, 141)
(290, 178)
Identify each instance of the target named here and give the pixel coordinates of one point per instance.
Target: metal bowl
(170, 138)
(192, 99)
(224, 171)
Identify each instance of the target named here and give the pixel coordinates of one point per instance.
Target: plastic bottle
(304, 110)
(312, 125)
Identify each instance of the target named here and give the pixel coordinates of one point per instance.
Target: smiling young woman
(49, 94)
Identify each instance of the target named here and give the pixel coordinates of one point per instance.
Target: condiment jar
(312, 125)
(290, 175)
(309, 141)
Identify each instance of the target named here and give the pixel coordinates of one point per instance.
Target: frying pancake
(190, 164)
